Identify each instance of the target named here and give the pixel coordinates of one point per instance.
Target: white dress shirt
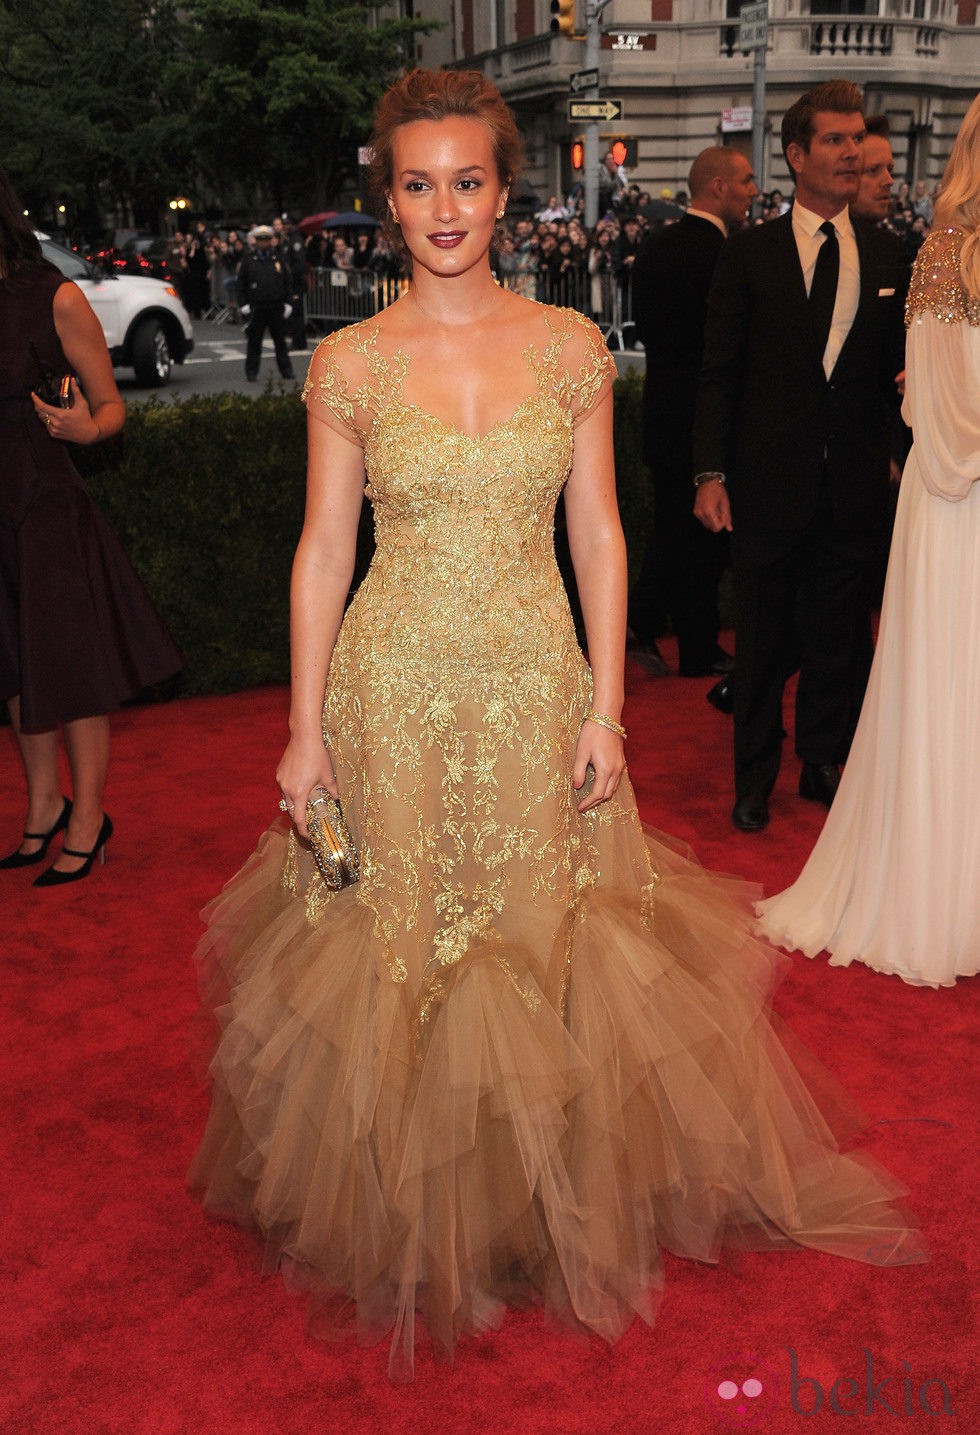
(806, 232)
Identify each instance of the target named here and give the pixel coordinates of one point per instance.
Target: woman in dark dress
(78, 635)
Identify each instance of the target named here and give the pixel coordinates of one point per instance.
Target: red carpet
(125, 1310)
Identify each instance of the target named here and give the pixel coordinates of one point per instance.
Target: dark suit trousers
(681, 570)
(267, 316)
(809, 608)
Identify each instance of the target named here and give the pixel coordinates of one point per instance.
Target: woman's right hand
(304, 766)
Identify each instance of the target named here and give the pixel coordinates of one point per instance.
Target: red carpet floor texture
(124, 1309)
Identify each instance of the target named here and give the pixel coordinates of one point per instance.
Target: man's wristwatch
(708, 478)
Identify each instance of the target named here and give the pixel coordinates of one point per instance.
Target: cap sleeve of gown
(589, 364)
(329, 392)
(942, 383)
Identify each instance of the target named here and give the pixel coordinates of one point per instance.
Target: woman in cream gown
(531, 1047)
(894, 880)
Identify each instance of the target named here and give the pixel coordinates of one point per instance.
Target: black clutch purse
(333, 846)
(52, 388)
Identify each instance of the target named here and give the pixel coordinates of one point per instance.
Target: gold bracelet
(602, 720)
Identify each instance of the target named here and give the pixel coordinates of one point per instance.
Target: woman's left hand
(603, 751)
(73, 425)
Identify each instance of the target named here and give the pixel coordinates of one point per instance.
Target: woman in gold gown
(531, 1047)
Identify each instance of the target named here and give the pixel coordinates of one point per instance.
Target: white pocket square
(885, 293)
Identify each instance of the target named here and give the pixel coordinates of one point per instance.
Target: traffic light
(563, 17)
(623, 150)
(578, 154)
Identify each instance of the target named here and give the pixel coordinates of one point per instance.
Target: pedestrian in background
(892, 881)
(264, 291)
(78, 634)
(671, 278)
(795, 404)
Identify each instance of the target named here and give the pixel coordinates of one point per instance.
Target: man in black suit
(671, 278)
(803, 343)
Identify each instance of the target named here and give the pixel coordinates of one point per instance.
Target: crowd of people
(548, 254)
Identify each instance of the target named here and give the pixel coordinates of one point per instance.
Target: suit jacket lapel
(867, 294)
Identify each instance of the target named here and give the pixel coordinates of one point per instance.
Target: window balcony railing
(927, 42)
(849, 38)
(857, 39)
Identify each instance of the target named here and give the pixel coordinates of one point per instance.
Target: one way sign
(595, 109)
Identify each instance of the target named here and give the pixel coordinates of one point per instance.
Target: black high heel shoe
(54, 878)
(28, 859)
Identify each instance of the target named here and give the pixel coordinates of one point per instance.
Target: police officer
(264, 288)
(292, 249)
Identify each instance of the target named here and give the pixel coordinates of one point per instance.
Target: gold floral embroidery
(457, 687)
(937, 285)
(648, 900)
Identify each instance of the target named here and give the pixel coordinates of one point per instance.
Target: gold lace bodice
(457, 687)
(464, 575)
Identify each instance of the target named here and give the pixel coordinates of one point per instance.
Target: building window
(524, 26)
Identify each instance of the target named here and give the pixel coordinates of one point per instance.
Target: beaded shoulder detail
(937, 285)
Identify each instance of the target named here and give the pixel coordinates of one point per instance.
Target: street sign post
(753, 34)
(583, 80)
(595, 109)
(593, 10)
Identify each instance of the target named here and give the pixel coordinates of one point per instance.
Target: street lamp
(177, 207)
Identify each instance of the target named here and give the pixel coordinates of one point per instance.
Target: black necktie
(823, 286)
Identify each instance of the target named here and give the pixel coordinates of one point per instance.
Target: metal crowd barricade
(222, 306)
(605, 298)
(335, 297)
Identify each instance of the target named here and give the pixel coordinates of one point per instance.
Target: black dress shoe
(819, 781)
(649, 657)
(722, 696)
(751, 813)
(27, 859)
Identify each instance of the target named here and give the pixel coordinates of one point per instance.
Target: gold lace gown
(531, 1047)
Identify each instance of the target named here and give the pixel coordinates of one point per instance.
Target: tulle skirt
(575, 1095)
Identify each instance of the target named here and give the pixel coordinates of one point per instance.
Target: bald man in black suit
(671, 278)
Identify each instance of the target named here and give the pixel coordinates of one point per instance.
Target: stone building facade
(684, 83)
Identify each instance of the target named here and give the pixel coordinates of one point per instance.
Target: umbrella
(352, 219)
(313, 222)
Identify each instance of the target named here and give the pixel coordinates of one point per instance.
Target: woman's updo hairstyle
(437, 95)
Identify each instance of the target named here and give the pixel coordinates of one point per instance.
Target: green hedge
(207, 497)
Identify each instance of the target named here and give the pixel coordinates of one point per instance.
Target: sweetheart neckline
(452, 428)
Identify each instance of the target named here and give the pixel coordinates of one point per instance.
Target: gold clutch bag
(333, 846)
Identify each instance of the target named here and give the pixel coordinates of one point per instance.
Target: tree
(94, 111)
(286, 89)
(118, 108)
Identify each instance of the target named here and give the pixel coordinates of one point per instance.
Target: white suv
(146, 326)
